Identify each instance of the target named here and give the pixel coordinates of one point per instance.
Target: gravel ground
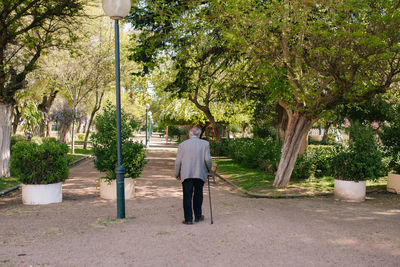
(83, 231)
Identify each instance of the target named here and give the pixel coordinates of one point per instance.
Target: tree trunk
(73, 137)
(62, 133)
(48, 129)
(298, 128)
(17, 117)
(43, 127)
(6, 116)
(304, 144)
(78, 128)
(281, 127)
(216, 131)
(326, 130)
(210, 117)
(89, 125)
(44, 107)
(206, 110)
(97, 106)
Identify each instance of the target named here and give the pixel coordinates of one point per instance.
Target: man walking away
(192, 165)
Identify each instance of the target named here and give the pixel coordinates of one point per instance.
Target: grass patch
(257, 181)
(325, 183)
(248, 179)
(79, 153)
(7, 182)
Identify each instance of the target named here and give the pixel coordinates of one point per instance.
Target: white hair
(195, 131)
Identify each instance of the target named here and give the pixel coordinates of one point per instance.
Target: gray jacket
(193, 159)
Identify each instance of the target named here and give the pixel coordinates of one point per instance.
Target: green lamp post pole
(150, 119)
(116, 10)
(147, 107)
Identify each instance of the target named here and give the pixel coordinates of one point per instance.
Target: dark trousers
(192, 188)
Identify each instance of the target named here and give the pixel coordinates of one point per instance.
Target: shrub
(37, 139)
(361, 160)
(321, 158)
(177, 131)
(15, 139)
(105, 145)
(219, 149)
(40, 164)
(263, 132)
(390, 137)
(262, 153)
(303, 168)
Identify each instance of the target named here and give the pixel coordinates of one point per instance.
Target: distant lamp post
(147, 107)
(150, 125)
(116, 10)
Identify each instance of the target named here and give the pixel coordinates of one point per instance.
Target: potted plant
(105, 152)
(361, 160)
(390, 136)
(393, 180)
(41, 170)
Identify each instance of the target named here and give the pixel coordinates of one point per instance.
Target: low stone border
(256, 195)
(8, 190)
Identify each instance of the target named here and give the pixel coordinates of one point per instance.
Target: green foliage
(33, 27)
(8, 182)
(40, 164)
(177, 131)
(37, 139)
(321, 157)
(361, 160)
(32, 117)
(258, 153)
(390, 137)
(80, 136)
(219, 149)
(15, 139)
(105, 145)
(264, 132)
(303, 168)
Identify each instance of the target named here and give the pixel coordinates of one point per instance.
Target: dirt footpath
(83, 231)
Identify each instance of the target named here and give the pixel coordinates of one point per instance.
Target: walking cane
(209, 190)
(209, 196)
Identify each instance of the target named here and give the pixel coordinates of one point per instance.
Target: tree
(331, 53)
(175, 37)
(27, 29)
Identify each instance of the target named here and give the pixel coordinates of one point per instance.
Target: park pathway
(83, 231)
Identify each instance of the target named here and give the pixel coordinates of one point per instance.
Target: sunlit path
(82, 230)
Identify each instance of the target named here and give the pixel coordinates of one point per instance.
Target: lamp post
(116, 10)
(150, 120)
(147, 107)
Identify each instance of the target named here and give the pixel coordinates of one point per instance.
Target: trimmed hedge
(264, 154)
(261, 153)
(46, 163)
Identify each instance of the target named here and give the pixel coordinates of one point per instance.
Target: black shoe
(187, 222)
(199, 219)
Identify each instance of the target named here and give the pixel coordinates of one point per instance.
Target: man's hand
(178, 178)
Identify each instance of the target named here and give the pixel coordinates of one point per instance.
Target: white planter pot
(393, 183)
(316, 138)
(350, 191)
(109, 190)
(33, 194)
